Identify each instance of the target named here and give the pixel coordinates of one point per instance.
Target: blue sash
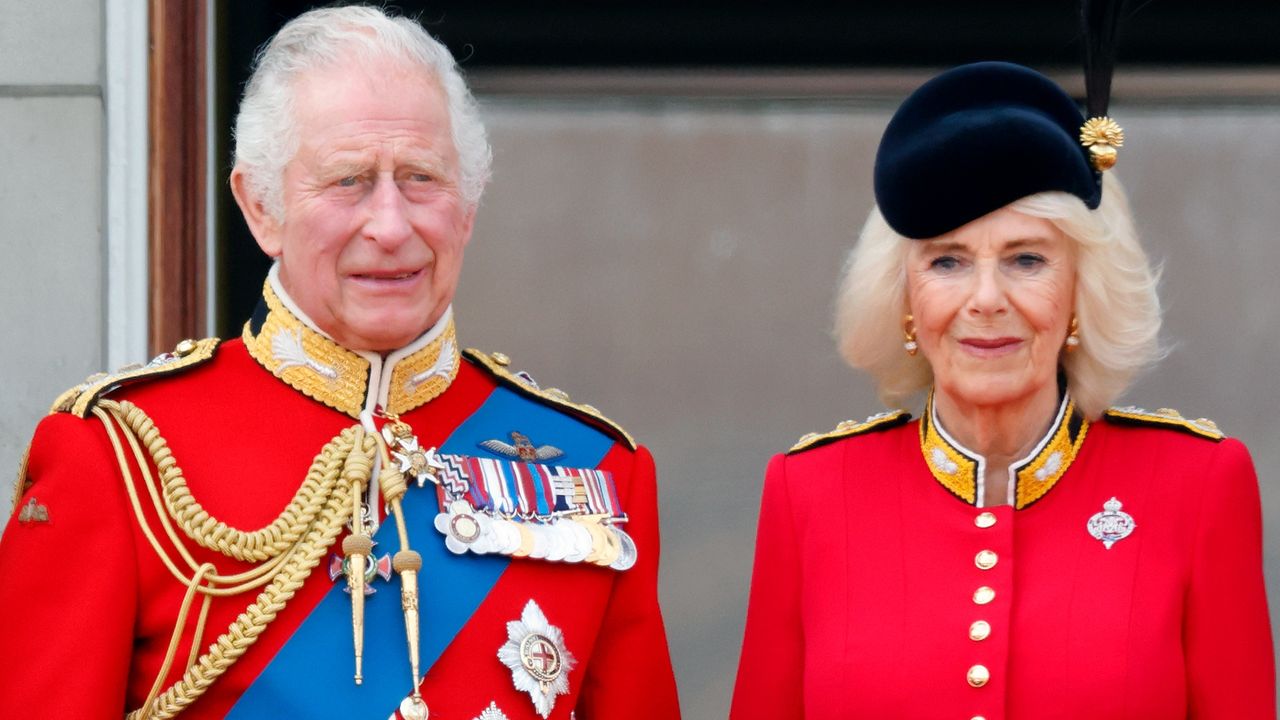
(311, 676)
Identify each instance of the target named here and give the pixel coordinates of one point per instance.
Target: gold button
(978, 676)
(185, 348)
(979, 630)
(501, 358)
(977, 717)
(984, 595)
(985, 520)
(985, 560)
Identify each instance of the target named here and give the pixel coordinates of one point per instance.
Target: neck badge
(340, 566)
(1112, 524)
(538, 659)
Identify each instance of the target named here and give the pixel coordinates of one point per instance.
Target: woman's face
(992, 302)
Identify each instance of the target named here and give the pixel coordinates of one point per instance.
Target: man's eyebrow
(339, 166)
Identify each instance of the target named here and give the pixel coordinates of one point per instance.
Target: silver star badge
(536, 654)
(1112, 524)
(491, 713)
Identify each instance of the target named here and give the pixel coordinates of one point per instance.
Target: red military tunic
(882, 590)
(87, 607)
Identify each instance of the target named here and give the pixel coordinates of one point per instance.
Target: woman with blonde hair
(1020, 550)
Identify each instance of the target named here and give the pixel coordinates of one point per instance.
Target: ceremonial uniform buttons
(501, 359)
(979, 630)
(977, 717)
(985, 520)
(978, 676)
(983, 595)
(985, 560)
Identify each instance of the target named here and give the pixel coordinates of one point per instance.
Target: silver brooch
(536, 654)
(1112, 524)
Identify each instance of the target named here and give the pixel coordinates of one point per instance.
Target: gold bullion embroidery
(1167, 418)
(306, 360)
(1048, 466)
(422, 376)
(850, 428)
(81, 399)
(957, 469)
(325, 371)
(954, 469)
(496, 365)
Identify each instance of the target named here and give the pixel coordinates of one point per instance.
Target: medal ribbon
(532, 489)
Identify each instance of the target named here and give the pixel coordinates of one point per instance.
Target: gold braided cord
(262, 544)
(323, 512)
(240, 582)
(246, 629)
(172, 650)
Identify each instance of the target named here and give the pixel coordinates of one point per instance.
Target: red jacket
(87, 608)
(865, 599)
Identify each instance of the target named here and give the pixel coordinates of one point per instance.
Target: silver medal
(582, 542)
(627, 557)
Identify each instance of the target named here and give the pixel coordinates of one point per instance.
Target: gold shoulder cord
(289, 548)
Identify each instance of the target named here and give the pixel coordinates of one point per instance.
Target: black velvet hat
(975, 139)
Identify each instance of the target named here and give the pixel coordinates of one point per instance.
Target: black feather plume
(1100, 21)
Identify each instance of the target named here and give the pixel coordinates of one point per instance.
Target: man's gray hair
(266, 135)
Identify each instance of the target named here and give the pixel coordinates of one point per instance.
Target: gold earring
(1073, 336)
(909, 335)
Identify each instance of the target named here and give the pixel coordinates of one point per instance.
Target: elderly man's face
(992, 302)
(374, 226)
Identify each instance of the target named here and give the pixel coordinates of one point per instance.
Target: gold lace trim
(325, 371)
(957, 469)
(849, 428)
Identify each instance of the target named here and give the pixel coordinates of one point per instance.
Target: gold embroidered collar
(963, 472)
(285, 342)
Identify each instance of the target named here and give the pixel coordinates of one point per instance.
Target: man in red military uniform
(338, 515)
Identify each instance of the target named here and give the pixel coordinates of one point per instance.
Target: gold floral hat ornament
(1100, 134)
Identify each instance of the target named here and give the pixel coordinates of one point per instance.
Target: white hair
(266, 135)
(1115, 301)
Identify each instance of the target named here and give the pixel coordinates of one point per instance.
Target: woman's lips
(990, 347)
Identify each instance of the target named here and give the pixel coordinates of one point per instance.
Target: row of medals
(571, 538)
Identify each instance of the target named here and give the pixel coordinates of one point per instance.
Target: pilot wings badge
(523, 449)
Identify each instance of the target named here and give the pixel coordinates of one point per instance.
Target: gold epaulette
(1165, 417)
(849, 428)
(80, 399)
(496, 365)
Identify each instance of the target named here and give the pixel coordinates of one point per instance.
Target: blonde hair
(1115, 301)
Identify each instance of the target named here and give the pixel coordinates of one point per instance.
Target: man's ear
(265, 228)
(469, 224)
